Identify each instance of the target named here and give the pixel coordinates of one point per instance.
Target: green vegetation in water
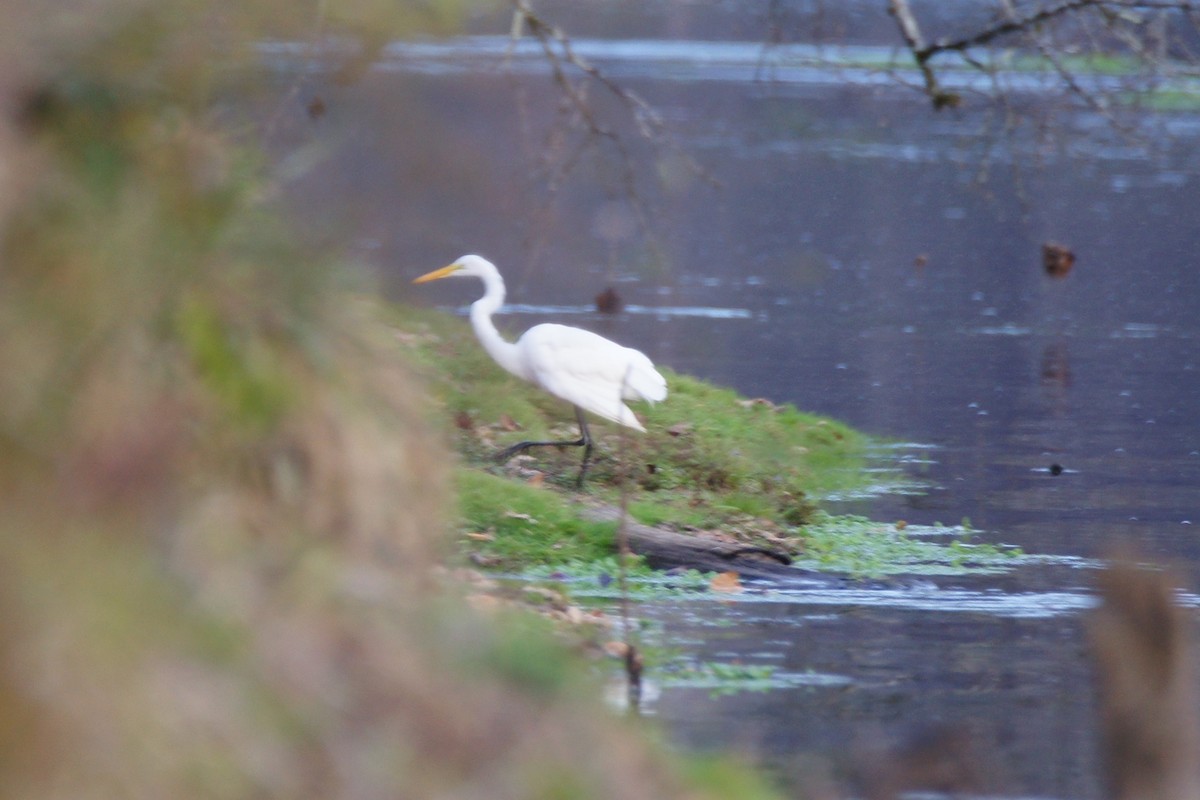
(865, 548)
(723, 678)
(1080, 64)
(724, 777)
(1176, 99)
(1096, 63)
(600, 578)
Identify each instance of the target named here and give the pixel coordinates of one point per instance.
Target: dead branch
(573, 74)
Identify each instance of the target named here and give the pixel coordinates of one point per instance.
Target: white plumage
(590, 371)
(581, 367)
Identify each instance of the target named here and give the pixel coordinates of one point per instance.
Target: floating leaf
(681, 429)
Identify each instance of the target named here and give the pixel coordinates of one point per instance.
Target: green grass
(512, 524)
(708, 453)
(709, 437)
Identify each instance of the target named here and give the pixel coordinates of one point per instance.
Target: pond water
(845, 257)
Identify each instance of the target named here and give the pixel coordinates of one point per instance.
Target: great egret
(581, 367)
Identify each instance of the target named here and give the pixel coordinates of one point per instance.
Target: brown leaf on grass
(463, 421)
(507, 423)
(681, 429)
(485, 536)
(728, 582)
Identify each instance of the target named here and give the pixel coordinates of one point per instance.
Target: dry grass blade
(1146, 684)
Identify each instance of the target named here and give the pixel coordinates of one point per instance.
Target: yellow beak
(437, 274)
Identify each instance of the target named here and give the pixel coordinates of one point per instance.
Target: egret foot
(584, 441)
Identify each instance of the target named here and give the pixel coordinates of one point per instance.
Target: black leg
(584, 441)
(585, 437)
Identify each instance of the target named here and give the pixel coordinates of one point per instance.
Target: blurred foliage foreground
(219, 495)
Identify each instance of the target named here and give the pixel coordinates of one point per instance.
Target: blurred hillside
(221, 500)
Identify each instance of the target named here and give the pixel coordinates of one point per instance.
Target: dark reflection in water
(1018, 688)
(873, 278)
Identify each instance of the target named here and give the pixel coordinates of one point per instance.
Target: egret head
(470, 266)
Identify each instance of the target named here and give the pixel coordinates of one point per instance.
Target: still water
(852, 252)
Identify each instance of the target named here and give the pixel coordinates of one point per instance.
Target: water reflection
(660, 312)
(1017, 684)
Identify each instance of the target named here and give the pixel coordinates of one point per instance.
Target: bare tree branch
(1007, 26)
(1119, 14)
(573, 74)
(911, 31)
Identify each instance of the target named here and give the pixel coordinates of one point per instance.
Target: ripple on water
(704, 312)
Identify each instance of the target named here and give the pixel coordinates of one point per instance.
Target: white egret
(581, 367)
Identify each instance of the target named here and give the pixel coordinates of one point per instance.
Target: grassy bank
(711, 463)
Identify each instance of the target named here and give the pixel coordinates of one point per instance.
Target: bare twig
(561, 55)
(285, 101)
(573, 74)
(910, 30)
(1031, 22)
(633, 657)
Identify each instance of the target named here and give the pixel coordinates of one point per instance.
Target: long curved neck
(505, 353)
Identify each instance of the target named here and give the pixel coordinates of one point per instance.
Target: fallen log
(667, 549)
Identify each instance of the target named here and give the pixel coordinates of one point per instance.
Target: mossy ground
(710, 461)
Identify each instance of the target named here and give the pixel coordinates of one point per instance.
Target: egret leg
(584, 441)
(585, 436)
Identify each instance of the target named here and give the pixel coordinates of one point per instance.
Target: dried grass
(221, 498)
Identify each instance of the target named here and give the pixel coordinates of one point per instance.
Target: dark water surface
(851, 263)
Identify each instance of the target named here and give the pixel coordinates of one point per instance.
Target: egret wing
(590, 371)
(642, 380)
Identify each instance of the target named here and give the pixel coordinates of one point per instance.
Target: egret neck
(505, 353)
